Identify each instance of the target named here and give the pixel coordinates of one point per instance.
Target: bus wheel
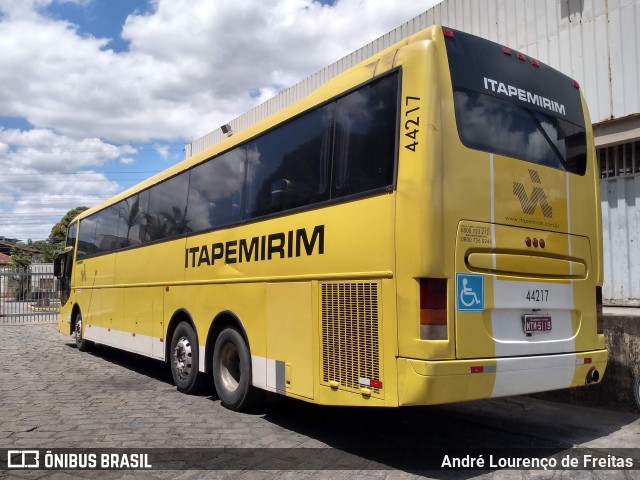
(184, 359)
(232, 371)
(82, 344)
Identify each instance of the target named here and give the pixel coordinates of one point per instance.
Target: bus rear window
(503, 127)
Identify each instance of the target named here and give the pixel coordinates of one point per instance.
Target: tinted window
(107, 230)
(132, 214)
(345, 147)
(167, 215)
(71, 235)
(289, 166)
(87, 238)
(500, 126)
(365, 138)
(215, 191)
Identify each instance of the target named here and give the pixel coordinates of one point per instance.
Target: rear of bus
(504, 260)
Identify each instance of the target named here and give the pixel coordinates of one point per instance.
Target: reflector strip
(583, 361)
(483, 369)
(369, 382)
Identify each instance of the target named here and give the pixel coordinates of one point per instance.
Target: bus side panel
(290, 337)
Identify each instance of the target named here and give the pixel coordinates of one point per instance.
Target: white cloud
(45, 174)
(192, 65)
(163, 150)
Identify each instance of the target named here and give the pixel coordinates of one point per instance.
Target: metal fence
(29, 296)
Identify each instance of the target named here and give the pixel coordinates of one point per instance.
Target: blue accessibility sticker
(469, 292)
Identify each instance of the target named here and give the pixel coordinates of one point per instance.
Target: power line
(118, 172)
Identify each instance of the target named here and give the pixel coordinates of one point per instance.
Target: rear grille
(350, 333)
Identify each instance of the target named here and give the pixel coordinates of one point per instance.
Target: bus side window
(215, 190)
(132, 214)
(168, 215)
(285, 166)
(365, 138)
(87, 236)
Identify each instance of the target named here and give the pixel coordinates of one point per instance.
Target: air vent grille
(350, 334)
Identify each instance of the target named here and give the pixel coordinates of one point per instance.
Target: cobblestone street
(54, 396)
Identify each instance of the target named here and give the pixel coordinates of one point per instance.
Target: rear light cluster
(507, 51)
(433, 308)
(599, 313)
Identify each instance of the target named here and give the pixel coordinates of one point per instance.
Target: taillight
(599, 313)
(433, 308)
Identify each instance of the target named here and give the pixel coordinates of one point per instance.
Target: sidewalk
(615, 391)
(621, 311)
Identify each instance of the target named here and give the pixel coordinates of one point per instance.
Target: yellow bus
(424, 228)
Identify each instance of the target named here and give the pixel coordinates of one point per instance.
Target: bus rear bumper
(434, 382)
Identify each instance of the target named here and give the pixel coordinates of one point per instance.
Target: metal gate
(29, 296)
(620, 196)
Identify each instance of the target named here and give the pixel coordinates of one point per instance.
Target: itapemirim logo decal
(530, 202)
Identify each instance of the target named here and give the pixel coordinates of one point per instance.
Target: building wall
(596, 42)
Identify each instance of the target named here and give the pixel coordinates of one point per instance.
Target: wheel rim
(230, 367)
(78, 330)
(182, 356)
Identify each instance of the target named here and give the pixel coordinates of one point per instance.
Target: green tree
(48, 252)
(21, 259)
(59, 232)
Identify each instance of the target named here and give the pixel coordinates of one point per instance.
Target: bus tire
(232, 371)
(183, 358)
(82, 344)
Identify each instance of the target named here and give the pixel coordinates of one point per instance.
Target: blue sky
(97, 95)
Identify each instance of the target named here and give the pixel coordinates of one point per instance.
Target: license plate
(536, 323)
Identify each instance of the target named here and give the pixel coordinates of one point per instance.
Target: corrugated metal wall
(597, 42)
(620, 192)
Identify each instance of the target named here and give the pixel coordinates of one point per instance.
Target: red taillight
(535, 63)
(433, 308)
(576, 84)
(447, 33)
(521, 57)
(506, 51)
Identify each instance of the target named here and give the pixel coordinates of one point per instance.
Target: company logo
(524, 95)
(537, 197)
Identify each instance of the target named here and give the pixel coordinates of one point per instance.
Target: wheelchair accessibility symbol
(469, 292)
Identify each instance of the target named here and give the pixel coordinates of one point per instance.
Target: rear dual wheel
(232, 371)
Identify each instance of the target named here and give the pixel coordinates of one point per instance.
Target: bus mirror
(57, 266)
